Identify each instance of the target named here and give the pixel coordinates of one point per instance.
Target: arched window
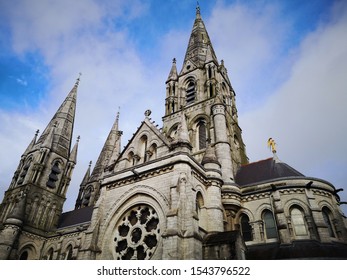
(131, 159)
(201, 210)
(298, 222)
(50, 254)
(246, 228)
(143, 148)
(152, 152)
(68, 255)
(24, 172)
(86, 196)
(269, 225)
(24, 255)
(199, 202)
(53, 176)
(328, 221)
(202, 137)
(190, 93)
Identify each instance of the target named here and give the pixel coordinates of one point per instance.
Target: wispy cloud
(22, 81)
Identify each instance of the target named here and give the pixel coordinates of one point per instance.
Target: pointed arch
(246, 228)
(298, 222)
(190, 91)
(269, 223)
(54, 176)
(328, 219)
(143, 147)
(24, 171)
(201, 210)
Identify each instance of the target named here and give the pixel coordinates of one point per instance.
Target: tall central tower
(202, 90)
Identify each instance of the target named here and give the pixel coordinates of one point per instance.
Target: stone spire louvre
(62, 123)
(199, 45)
(107, 151)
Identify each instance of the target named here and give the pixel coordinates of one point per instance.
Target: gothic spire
(108, 150)
(62, 124)
(173, 72)
(73, 154)
(199, 46)
(31, 144)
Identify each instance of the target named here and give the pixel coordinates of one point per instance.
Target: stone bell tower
(202, 90)
(39, 185)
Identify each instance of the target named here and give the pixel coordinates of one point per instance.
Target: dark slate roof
(75, 217)
(264, 170)
(222, 237)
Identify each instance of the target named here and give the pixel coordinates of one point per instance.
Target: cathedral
(185, 190)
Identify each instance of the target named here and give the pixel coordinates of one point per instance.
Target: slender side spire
(173, 76)
(31, 144)
(199, 46)
(83, 185)
(182, 142)
(107, 151)
(63, 122)
(73, 154)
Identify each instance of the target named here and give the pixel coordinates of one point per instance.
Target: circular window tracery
(137, 233)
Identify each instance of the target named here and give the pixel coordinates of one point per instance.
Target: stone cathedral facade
(182, 191)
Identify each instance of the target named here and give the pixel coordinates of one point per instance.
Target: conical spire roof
(87, 175)
(106, 151)
(73, 154)
(173, 76)
(31, 144)
(199, 47)
(62, 123)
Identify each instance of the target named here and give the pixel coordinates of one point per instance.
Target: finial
(37, 132)
(78, 138)
(272, 145)
(197, 8)
(148, 113)
(90, 164)
(78, 79)
(174, 60)
(117, 117)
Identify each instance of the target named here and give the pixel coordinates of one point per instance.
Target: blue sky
(287, 61)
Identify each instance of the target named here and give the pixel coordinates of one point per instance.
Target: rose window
(137, 233)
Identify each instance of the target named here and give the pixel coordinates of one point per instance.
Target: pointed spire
(87, 175)
(198, 10)
(182, 135)
(117, 145)
(173, 76)
(73, 154)
(107, 150)
(31, 144)
(210, 156)
(199, 43)
(63, 122)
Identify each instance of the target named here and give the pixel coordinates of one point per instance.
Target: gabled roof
(264, 170)
(75, 217)
(145, 125)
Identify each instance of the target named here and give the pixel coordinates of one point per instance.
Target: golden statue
(272, 145)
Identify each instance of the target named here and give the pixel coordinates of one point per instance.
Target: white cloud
(307, 114)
